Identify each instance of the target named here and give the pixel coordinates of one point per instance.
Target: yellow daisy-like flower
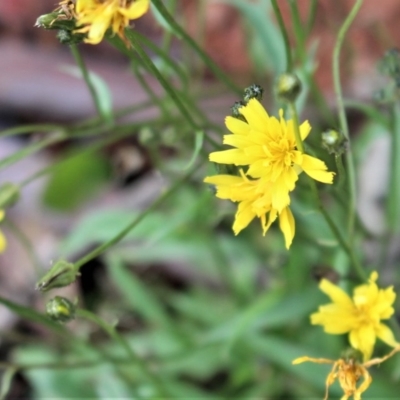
(255, 200)
(94, 17)
(360, 316)
(3, 242)
(348, 372)
(268, 146)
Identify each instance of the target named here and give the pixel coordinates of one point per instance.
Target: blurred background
(216, 316)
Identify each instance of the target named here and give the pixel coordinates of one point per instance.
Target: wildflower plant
(162, 284)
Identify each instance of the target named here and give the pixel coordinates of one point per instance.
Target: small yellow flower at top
(348, 371)
(359, 316)
(3, 242)
(94, 17)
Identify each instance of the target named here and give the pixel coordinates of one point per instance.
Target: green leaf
(198, 144)
(75, 180)
(136, 294)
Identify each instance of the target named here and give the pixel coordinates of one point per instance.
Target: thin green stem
(102, 248)
(341, 170)
(181, 33)
(112, 332)
(132, 37)
(19, 130)
(349, 251)
(340, 238)
(285, 36)
(85, 75)
(298, 31)
(312, 15)
(342, 115)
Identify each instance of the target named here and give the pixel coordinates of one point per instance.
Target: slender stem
(342, 241)
(312, 15)
(85, 74)
(102, 248)
(181, 32)
(132, 37)
(341, 171)
(285, 36)
(298, 31)
(112, 332)
(342, 115)
(349, 251)
(18, 130)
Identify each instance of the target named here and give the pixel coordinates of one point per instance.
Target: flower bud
(9, 194)
(390, 63)
(60, 309)
(61, 274)
(253, 92)
(236, 110)
(54, 21)
(69, 37)
(334, 142)
(288, 87)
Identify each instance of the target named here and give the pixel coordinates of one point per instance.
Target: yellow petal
(305, 129)
(386, 335)
(287, 226)
(233, 156)
(136, 9)
(243, 217)
(237, 126)
(255, 114)
(363, 339)
(316, 169)
(336, 294)
(335, 319)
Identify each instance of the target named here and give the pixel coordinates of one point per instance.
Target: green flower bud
(390, 64)
(66, 36)
(61, 274)
(334, 142)
(352, 354)
(253, 92)
(288, 87)
(236, 110)
(55, 20)
(60, 309)
(9, 194)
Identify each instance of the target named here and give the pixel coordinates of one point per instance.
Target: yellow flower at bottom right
(359, 316)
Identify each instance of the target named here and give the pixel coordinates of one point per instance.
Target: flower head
(255, 200)
(94, 17)
(359, 316)
(348, 371)
(268, 146)
(3, 241)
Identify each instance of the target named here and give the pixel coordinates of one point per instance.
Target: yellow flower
(360, 316)
(348, 371)
(96, 16)
(255, 200)
(268, 146)
(3, 241)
